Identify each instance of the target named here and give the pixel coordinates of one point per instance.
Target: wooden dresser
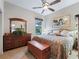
(39, 50)
(14, 41)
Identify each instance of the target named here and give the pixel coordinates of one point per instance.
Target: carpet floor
(22, 53)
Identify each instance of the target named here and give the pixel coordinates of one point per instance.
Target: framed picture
(62, 22)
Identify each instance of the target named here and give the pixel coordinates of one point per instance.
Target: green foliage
(19, 31)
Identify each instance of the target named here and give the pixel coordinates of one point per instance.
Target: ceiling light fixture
(46, 5)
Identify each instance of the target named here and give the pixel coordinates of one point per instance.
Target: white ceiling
(28, 4)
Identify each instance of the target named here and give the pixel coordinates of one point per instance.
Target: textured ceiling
(28, 4)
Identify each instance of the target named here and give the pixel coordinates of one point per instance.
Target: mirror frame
(17, 19)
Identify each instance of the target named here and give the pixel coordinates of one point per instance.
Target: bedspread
(57, 49)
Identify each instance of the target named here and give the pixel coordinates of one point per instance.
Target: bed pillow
(64, 33)
(70, 34)
(58, 33)
(73, 33)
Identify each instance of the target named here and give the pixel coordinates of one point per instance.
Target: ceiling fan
(46, 5)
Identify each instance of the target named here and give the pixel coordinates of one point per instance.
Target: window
(38, 26)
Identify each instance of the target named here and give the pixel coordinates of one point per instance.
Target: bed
(61, 45)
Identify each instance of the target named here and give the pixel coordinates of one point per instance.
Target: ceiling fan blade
(42, 11)
(36, 7)
(43, 1)
(51, 9)
(54, 2)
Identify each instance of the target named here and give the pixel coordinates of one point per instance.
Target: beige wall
(12, 11)
(1, 27)
(1, 41)
(69, 11)
(1, 4)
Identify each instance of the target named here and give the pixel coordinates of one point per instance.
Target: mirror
(17, 24)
